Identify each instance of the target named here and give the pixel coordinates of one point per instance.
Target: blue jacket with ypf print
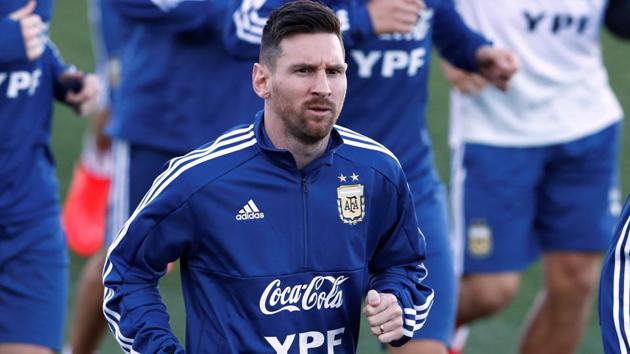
(28, 184)
(273, 259)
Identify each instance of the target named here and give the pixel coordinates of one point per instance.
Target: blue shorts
(135, 168)
(514, 203)
(615, 287)
(33, 282)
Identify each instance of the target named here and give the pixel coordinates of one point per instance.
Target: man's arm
(397, 272)
(468, 50)
(457, 43)
(21, 35)
(174, 16)
(158, 232)
(618, 18)
(74, 88)
(358, 19)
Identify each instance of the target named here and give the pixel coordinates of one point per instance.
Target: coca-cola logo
(323, 292)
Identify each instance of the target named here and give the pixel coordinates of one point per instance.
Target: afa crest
(351, 203)
(479, 239)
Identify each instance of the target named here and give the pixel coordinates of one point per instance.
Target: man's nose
(321, 84)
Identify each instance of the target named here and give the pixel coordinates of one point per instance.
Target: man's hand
(32, 30)
(496, 65)
(384, 316)
(465, 82)
(392, 16)
(83, 91)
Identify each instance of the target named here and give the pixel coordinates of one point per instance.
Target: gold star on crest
(342, 178)
(355, 177)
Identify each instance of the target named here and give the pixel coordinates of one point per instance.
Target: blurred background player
(33, 255)
(85, 209)
(535, 168)
(388, 49)
(86, 204)
(171, 98)
(613, 291)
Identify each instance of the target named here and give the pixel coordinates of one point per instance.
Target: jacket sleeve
(158, 232)
(173, 16)
(396, 266)
(456, 42)
(11, 42)
(617, 18)
(58, 67)
(243, 30)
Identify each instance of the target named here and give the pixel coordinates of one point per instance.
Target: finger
(32, 33)
(34, 49)
(408, 19)
(478, 80)
(389, 326)
(23, 11)
(392, 312)
(390, 336)
(373, 298)
(376, 331)
(414, 6)
(73, 98)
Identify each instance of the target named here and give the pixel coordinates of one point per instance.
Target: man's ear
(261, 80)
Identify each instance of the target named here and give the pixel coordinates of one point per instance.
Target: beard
(309, 122)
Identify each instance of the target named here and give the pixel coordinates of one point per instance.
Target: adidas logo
(249, 212)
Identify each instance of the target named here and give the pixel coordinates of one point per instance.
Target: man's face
(308, 85)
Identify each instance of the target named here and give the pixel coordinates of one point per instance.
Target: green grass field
(497, 335)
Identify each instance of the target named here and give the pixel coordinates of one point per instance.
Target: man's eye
(304, 70)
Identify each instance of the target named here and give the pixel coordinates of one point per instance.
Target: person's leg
(575, 225)
(33, 286)
(89, 323)
(560, 312)
(433, 337)
(482, 295)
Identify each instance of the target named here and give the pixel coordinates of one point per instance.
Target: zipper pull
(304, 185)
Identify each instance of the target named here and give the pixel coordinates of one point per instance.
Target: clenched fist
(32, 30)
(384, 316)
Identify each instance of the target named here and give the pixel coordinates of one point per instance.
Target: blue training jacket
(28, 185)
(178, 76)
(273, 259)
(614, 289)
(387, 74)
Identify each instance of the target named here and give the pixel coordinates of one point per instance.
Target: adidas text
(250, 216)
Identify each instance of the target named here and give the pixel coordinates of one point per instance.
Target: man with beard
(389, 45)
(281, 226)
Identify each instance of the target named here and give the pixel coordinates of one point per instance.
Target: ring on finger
(381, 328)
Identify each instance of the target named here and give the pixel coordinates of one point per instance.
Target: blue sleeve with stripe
(613, 289)
(174, 16)
(396, 267)
(456, 42)
(158, 232)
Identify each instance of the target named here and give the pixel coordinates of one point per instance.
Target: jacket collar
(284, 158)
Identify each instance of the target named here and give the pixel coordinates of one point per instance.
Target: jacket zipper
(305, 219)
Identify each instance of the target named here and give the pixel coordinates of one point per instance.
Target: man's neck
(302, 152)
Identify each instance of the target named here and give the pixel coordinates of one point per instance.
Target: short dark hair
(296, 17)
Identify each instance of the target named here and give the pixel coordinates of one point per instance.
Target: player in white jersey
(534, 168)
